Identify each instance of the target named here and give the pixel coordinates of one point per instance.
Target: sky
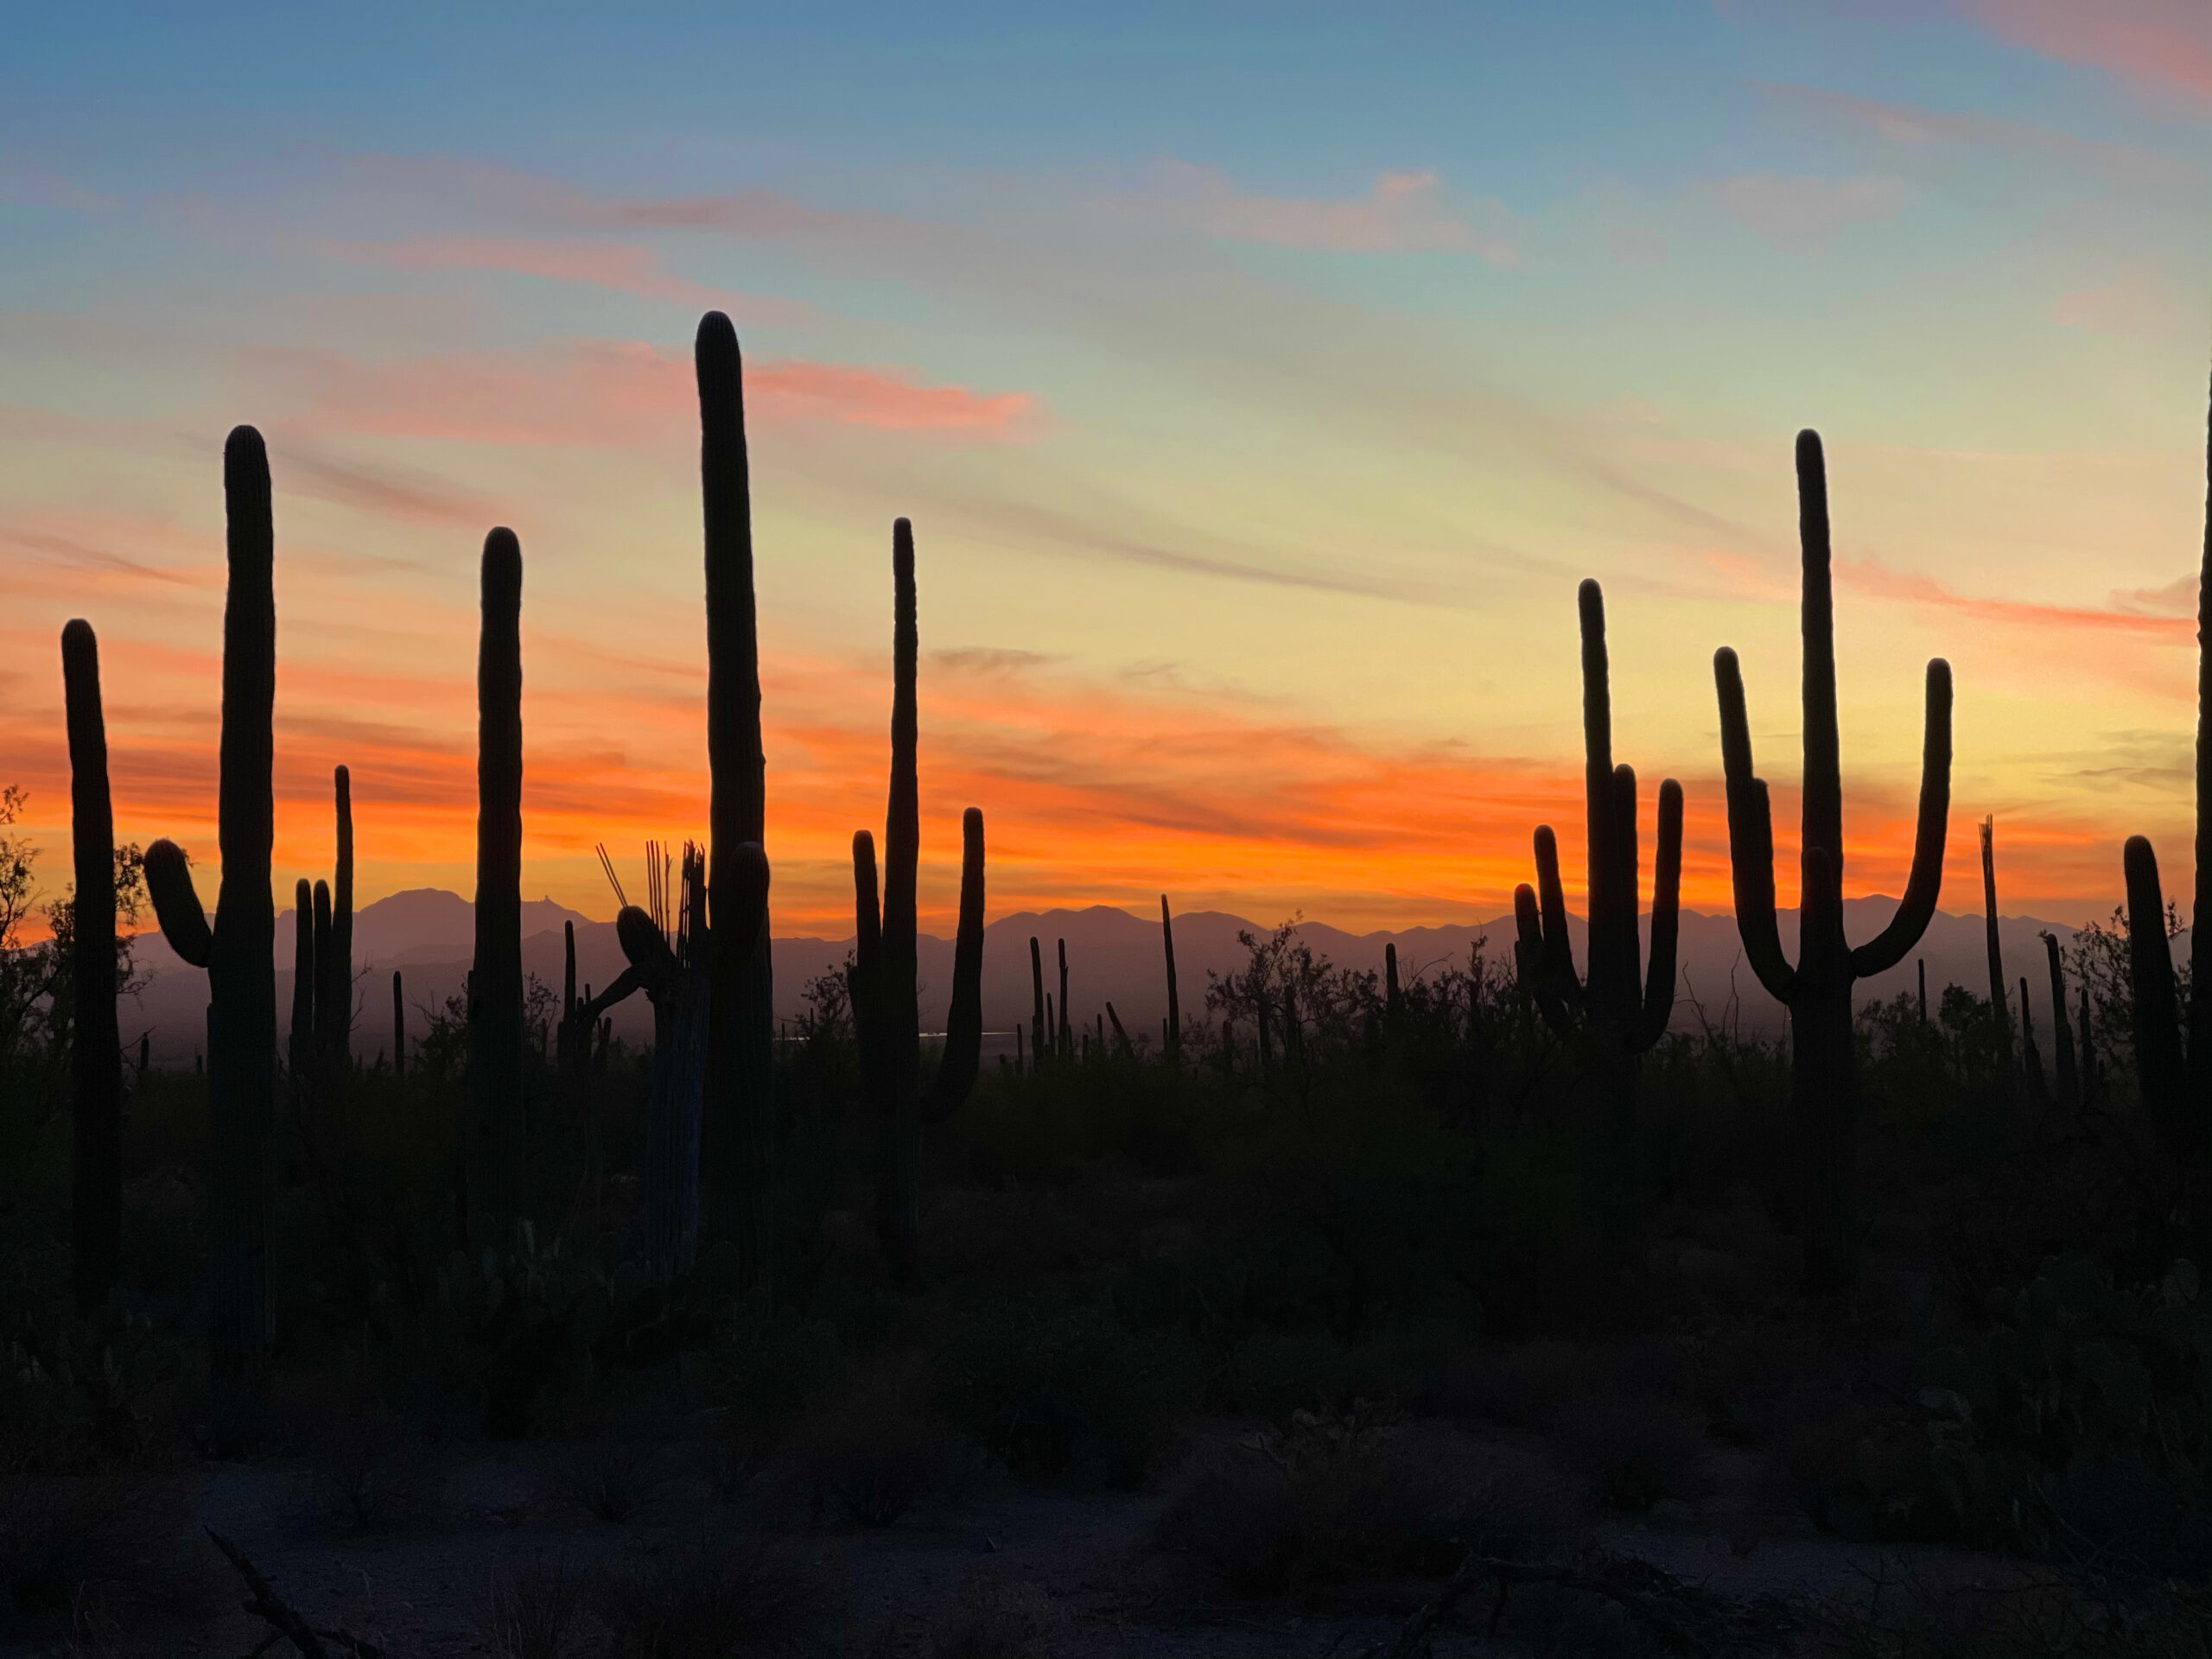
(1261, 381)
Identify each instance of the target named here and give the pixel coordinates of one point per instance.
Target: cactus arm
(303, 979)
(2151, 971)
(963, 1021)
(176, 906)
(1666, 919)
(1750, 836)
(1627, 855)
(644, 948)
(1888, 948)
(626, 985)
(1555, 962)
(1529, 958)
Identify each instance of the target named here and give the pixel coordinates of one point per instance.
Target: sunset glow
(1255, 440)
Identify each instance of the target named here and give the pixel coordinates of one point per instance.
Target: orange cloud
(612, 394)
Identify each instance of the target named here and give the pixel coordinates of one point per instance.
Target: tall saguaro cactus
(884, 996)
(1174, 1006)
(300, 1050)
(1624, 1016)
(398, 1029)
(737, 1129)
(1824, 1064)
(95, 1052)
(237, 951)
(496, 1150)
(1037, 992)
(2070, 1087)
(1999, 1010)
(334, 1018)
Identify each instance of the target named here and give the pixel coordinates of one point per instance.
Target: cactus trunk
(2062, 1035)
(496, 1149)
(1037, 991)
(1998, 1001)
(1064, 1041)
(737, 1129)
(1174, 1035)
(300, 1050)
(95, 1049)
(335, 1007)
(241, 975)
(1824, 1071)
(398, 1029)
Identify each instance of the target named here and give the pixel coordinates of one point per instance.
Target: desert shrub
(89, 1555)
(1326, 1500)
(762, 1372)
(713, 1600)
(537, 1610)
(1062, 1395)
(612, 1477)
(1519, 1386)
(875, 1447)
(1636, 1449)
(365, 1459)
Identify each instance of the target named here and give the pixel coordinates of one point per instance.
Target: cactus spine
(1824, 1068)
(496, 1151)
(1174, 1035)
(737, 1131)
(1624, 1019)
(237, 951)
(95, 1051)
(884, 988)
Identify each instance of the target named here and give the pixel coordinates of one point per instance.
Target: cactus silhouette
(1625, 1019)
(2173, 1044)
(737, 1130)
(398, 1029)
(1037, 991)
(1999, 1010)
(2070, 1087)
(1064, 1040)
(496, 1149)
(1824, 1066)
(885, 994)
(299, 1048)
(1392, 997)
(334, 1016)
(237, 951)
(95, 1049)
(1174, 1035)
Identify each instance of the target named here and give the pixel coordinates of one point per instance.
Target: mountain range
(428, 936)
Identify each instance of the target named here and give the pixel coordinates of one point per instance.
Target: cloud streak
(2165, 45)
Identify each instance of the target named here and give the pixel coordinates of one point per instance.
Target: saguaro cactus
(737, 1129)
(1037, 991)
(300, 1050)
(1625, 1019)
(95, 1051)
(237, 951)
(1824, 1064)
(334, 1019)
(1999, 1010)
(1065, 1041)
(2070, 1087)
(398, 1029)
(496, 1149)
(884, 990)
(2173, 1044)
(1174, 1032)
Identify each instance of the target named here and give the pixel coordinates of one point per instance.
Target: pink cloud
(2165, 44)
(623, 267)
(2143, 300)
(1401, 213)
(1795, 211)
(614, 394)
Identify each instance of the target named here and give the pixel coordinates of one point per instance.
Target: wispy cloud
(2141, 301)
(1405, 212)
(1800, 211)
(2147, 626)
(2162, 44)
(612, 394)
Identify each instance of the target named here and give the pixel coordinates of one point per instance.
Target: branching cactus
(95, 1051)
(2173, 1043)
(237, 951)
(496, 1151)
(1824, 1063)
(1624, 1017)
(738, 1130)
(884, 996)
